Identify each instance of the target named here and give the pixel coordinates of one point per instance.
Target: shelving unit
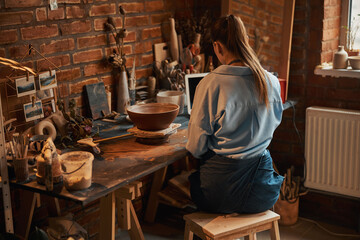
(329, 71)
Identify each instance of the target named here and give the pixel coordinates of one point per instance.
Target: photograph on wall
(33, 112)
(44, 94)
(49, 108)
(25, 86)
(47, 80)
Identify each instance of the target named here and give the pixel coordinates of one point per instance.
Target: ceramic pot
(340, 60)
(123, 98)
(174, 45)
(288, 211)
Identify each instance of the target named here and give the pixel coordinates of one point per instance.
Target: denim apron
(225, 185)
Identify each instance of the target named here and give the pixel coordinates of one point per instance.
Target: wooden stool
(210, 226)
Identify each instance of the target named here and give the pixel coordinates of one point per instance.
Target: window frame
(344, 21)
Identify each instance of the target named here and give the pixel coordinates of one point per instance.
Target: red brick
(37, 32)
(75, 27)
(14, 18)
(104, 9)
(68, 74)
(131, 37)
(8, 36)
(331, 23)
(73, 1)
(87, 56)
(276, 19)
(262, 14)
(79, 86)
(143, 73)
(136, 21)
(127, 49)
(18, 51)
(331, 12)
(159, 18)
(58, 46)
(99, 23)
(344, 94)
(246, 9)
(59, 61)
(2, 52)
(91, 41)
(41, 14)
(330, 34)
(56, 14)
(108, 80)
(154, 6)
(75, 12)
(134, 7)
(147, 59)
(143, 47)
(96, 68)
(151, 33)
(22, 3)
(330, 45)
(274, 9)
(235, 6)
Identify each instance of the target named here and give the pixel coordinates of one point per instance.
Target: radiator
(332, 150)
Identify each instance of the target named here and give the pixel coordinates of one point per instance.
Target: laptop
(191, 81)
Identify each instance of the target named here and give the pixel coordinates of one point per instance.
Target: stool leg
(189, 235)
(274, 231)
(251, 236)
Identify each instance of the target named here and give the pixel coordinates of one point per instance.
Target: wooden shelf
(329, 71)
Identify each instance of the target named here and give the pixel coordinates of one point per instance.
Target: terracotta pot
(288, 211)
(353, 53)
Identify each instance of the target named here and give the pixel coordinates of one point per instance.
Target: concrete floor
(170, 226)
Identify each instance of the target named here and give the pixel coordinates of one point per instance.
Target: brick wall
(74, 39)
(266, 16)
(314, 40)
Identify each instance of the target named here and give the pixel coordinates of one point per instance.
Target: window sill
(329, 71)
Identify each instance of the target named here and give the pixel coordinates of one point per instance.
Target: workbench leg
(107, 217)
(29, 215)
(153, 202)
(135, 231)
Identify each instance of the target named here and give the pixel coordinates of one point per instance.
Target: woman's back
(235, 124)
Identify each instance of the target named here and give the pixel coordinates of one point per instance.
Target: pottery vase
(123, 98)
(340, 60)
(174, 45)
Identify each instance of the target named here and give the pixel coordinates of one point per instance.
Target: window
(350, 24)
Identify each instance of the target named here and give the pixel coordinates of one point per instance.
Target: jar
(340, 60)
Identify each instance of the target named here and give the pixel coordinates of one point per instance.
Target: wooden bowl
(153, 116)
(354, 62)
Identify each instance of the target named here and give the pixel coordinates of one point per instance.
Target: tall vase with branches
(117, 60)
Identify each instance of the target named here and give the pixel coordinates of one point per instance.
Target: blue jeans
(225, 185)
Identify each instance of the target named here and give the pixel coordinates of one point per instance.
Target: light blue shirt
(227, 116)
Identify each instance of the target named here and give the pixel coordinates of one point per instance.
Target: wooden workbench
(121, 162)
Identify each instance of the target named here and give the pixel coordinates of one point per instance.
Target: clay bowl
(153, 116)
(354, 62)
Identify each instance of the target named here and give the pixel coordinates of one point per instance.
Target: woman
(236, 110)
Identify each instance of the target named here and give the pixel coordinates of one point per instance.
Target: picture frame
(44, 94)
(47, 80)
(33, 112)
(25, 86)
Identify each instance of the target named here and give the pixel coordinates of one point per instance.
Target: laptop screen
(191, 81)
